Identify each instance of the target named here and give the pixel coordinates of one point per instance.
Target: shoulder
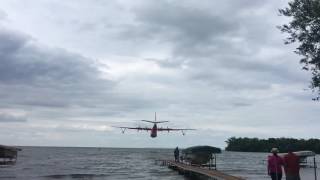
(280, 158)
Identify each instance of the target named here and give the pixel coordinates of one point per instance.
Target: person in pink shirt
(291, 165)
(275, 164)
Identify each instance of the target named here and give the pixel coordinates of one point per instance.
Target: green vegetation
(265, 145)
(303, 29)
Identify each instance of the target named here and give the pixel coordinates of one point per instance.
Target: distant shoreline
(245, 144)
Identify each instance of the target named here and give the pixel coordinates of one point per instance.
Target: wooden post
(215, 161)
(315, 167)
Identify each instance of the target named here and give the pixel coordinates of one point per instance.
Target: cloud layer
(220, 67)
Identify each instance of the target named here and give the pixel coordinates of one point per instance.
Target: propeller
(123, 130)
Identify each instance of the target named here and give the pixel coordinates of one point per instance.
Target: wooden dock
(197, 171)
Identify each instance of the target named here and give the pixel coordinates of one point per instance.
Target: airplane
(154, 130)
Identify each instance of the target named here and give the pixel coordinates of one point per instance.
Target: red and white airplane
(154, 130)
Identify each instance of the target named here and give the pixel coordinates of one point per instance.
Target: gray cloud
(220, 43)
(197, 30)
(22, 62)
(9, 118)
(188, 24)
(3, 15)
(188, 29)
(32, 75)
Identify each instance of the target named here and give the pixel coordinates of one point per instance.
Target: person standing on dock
(176, 154)
(274, 165)
(291, 165)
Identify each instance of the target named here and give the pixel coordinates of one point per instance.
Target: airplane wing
(173, 129)
(137, 128)
(123, 128)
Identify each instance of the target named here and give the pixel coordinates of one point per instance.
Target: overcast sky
(70, 70)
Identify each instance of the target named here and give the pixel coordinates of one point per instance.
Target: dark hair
(289, 148)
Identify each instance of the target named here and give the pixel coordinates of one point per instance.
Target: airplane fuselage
(153, 133)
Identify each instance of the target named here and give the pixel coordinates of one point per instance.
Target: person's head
(274, 151)
(289, 148)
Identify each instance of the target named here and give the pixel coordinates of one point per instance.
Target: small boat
(303, 157)
(8, 155)
(200, 155)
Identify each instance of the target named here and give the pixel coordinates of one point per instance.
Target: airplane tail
(155, 120)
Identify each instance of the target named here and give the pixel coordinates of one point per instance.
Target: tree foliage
(265, 145)
(304, 28)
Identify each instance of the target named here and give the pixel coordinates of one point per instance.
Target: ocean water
(120, 163)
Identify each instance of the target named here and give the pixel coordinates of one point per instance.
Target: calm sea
(119, 163)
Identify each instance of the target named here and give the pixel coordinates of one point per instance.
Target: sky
(71, 70)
